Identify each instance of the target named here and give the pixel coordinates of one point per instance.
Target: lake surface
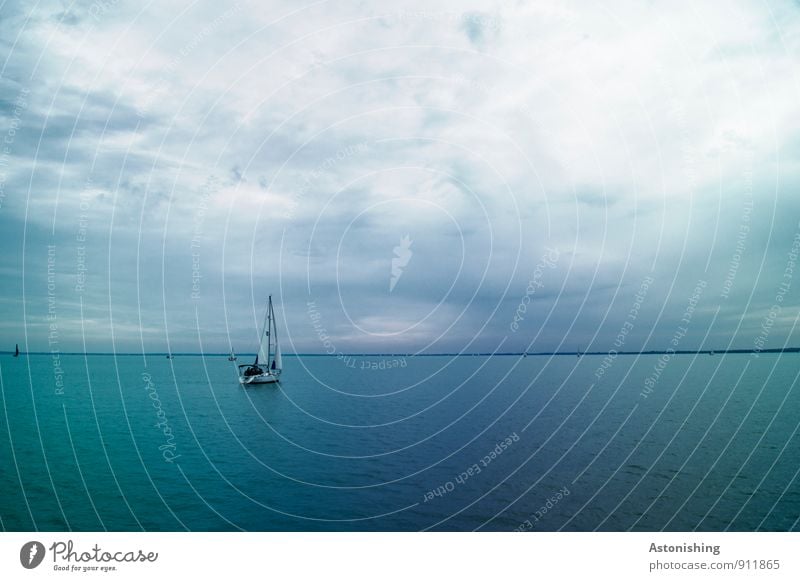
(444, 443)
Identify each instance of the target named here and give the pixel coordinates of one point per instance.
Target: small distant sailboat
(16, 350)
(269, 370)
(232, 357)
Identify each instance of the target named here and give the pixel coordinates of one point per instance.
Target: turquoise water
(489, 443)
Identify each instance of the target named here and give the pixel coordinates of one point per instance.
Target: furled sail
(276, 362)
(262, 356)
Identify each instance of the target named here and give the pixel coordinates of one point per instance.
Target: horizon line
(475, 354)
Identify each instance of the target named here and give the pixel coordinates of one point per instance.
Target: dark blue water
(441, 443)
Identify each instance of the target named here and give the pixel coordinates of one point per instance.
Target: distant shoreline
(482, 354)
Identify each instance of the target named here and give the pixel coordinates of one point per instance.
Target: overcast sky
(169, 166)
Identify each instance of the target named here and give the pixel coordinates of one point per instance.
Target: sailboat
(232, 357)
(16, 350)
(269, 368)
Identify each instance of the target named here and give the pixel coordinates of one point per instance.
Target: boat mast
(269, 331)
(261, 337)
(274, 324)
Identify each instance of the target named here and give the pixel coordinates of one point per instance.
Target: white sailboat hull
(258, 379)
